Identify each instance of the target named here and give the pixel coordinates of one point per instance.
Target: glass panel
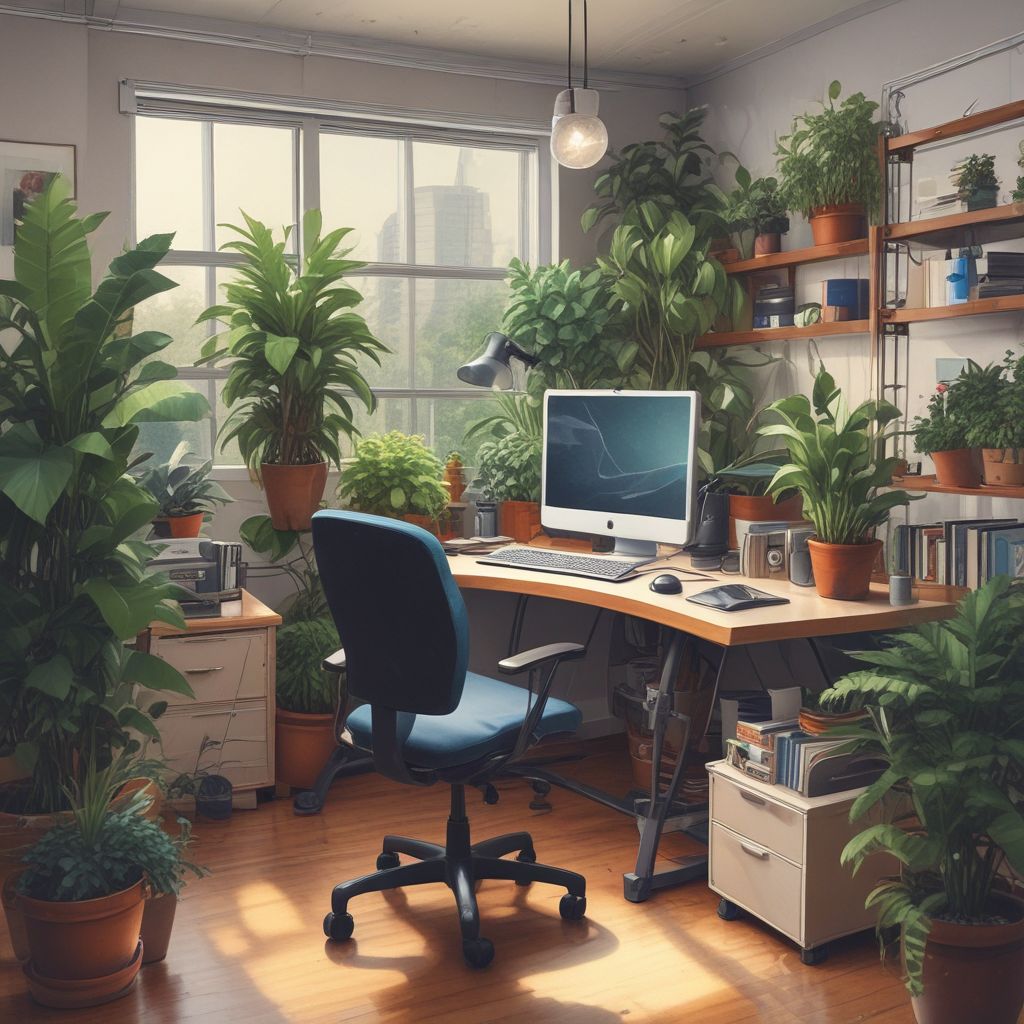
(385, 307)
(467, 205)
(253, 170)
(444, 422)
(390, 414)
(162, 438)
(452, 318)
(174, 312)
(169, 180)
(360, 187)
(229, 455)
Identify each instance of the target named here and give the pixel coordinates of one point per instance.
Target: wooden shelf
(958, 230)
(979, 307)
(961, 126)
(766, 335)
(931, 484)
(796, 257)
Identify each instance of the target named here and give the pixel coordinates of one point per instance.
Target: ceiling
(678, 38)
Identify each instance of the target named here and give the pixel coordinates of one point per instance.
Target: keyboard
(540, 560)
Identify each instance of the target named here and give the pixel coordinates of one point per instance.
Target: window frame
(537, 182)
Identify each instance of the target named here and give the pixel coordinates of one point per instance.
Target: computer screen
(621, 462)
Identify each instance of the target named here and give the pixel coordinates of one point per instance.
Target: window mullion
(409, 220)
(209, 213)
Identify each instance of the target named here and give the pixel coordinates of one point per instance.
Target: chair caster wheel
(526, 857)
(728, 911)
(385, 861)
(572, 908)
(478, 953)
(813, 957)
(338, 927)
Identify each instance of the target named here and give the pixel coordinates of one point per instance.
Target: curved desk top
(807, 614)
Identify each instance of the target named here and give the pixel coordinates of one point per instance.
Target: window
(436, 216)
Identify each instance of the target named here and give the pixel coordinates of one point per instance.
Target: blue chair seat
(486, 721)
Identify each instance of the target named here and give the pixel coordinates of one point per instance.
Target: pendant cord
(568, 70)
(586, 44)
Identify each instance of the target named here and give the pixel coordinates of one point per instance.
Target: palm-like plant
(74, 385)
(945, 705)
(295, 345)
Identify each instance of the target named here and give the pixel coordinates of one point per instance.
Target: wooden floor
(248, 945)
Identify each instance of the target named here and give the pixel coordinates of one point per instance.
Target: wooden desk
(229, 662)
(807, 616)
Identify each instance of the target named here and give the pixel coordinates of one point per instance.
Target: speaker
(800, 570)
(711, 538)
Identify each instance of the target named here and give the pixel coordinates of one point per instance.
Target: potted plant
(454, 476)
(75, 576)
(997, 421)
(1017, 195)
(396, 475)
(295, 343)
(829, 166)
(943, 433)
(81, 894)
(976, 182)
(757, 205)
(746, 480)
(508, 471)
(211, 792)
(945, 702)
(185, 493)
(837, 465)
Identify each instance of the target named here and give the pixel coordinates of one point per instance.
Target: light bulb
(578, 136)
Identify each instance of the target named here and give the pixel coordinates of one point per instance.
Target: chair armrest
(334, 662)
(541, 655)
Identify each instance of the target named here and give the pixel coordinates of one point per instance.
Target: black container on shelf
(774, 306)
(213, 798)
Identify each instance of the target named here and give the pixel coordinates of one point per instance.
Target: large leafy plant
(509, 467)
(182, 485)
(992, 399)
(394, 474)
(295, 344)
(836, 461)
(945, 704)
(302, 684)
(74, 385)
(831, 158)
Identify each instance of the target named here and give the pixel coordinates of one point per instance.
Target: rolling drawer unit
(229, 663)
(775, 854)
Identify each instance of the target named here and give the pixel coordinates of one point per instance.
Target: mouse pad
(736, 597)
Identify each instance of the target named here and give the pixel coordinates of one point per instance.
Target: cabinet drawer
(221, 667)
(750, 814)
(241, 731)
(757, 879)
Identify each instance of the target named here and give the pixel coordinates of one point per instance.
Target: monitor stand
(627, 548)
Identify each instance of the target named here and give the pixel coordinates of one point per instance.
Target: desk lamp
(492, 368)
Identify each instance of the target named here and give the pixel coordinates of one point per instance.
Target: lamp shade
(491, 368)
(578, 136)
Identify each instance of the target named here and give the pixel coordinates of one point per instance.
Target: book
(979, 566)
(1006, 552)
(763, 734)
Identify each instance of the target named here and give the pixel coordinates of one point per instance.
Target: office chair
(427, 719)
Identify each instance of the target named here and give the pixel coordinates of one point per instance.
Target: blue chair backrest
(399, 613)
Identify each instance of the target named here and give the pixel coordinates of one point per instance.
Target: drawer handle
(214, 714)
(217, 668)
(753, 851)
(751, 799)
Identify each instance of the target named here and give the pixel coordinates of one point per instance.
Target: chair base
(460, 864)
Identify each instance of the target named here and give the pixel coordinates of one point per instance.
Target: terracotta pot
(157, 922)
(974, 972)
(151, 789)
(302, 745)
(293, 493)
(957, 468)
(77, 993)
(519, 520)
(18, 832)
(843, 571)
(185, 526)
(765, 245)
(841, 223)
(1003, 467)
(81, 939)
(761, 509)
(424, 522)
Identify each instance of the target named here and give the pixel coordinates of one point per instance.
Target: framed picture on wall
(25, 170)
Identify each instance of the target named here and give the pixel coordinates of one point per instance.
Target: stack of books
(938, 206)
(753, 750)
(959, 552)
(1004, 275)
(798, 754)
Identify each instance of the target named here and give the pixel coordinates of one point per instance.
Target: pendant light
(578, 136)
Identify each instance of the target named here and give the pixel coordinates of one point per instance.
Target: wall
(753, 105)
(76, 101)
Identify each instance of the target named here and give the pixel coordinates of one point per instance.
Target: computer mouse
(666, 584)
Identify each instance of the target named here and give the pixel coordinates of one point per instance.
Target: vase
(843, 222)
(842, 572)
(1003, 467)
(767, 244)
(303, 743)
(958, 467)
(293, 493)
